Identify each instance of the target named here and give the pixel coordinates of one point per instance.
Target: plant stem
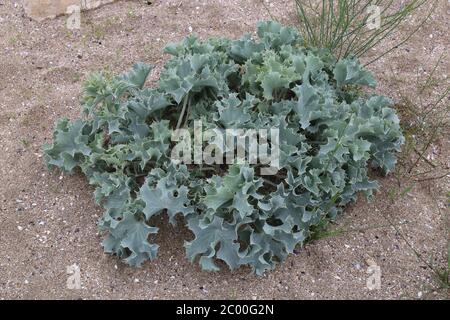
(185, 102)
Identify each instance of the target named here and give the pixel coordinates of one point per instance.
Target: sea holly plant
(329, 134)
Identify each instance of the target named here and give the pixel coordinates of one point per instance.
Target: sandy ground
(48, 220)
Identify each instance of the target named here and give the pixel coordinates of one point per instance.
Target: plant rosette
(329, 133)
